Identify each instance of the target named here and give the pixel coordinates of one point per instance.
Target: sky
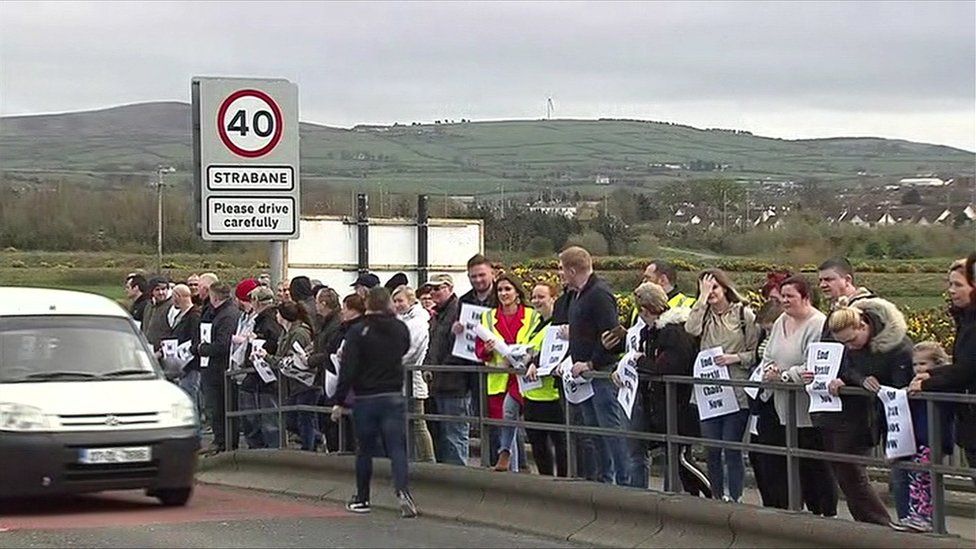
(795, 70)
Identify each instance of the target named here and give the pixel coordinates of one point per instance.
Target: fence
(670, 438)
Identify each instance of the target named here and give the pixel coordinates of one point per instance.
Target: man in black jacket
(449, 390)
(222, 317)
(372, 366)
(137, 289)
(592, 313)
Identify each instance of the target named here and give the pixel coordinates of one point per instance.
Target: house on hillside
(566, 210)
(602, 179)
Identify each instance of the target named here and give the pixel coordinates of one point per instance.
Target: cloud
(857, 67)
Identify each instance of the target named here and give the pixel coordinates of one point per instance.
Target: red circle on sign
(222, 132)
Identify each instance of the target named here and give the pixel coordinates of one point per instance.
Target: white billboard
(327, 249)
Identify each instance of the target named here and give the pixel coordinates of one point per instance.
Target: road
(222, 517)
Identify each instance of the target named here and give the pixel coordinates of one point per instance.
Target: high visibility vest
(548, 392)
(497, 383)
(679, 300)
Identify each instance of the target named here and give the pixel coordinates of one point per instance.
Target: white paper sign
(138, 325)
(823, 359)
(184, 353)
(331, 383)
(264, 370)
(578, 390)
(757, 375)
(525, 385)
(633, 336)
(168, 347)
(206, 329)
(628, 384)
(464, 343)
(554, 349)
(901, 435)
(713, 400)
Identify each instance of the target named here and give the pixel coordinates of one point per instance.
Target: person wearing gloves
(372, 366)
(412, 313)
(722, 318)
(784, 360)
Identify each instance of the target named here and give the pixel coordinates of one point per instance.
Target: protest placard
(713, 400)
(464, 343)
(206, 329)
(823, 359)
(554, 349)
(901, 434)
(578, 389)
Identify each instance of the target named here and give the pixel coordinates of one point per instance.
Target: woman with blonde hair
(877, 352)
(412, 313)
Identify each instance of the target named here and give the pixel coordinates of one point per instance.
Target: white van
(84, 406)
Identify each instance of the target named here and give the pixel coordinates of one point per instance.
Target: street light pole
(159, 215)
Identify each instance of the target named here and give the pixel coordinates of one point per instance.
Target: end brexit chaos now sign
(245, 143)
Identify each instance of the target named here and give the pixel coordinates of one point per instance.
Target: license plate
(130, 454)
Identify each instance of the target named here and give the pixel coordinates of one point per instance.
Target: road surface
(223, 517)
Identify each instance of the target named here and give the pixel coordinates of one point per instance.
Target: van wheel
(174, 497)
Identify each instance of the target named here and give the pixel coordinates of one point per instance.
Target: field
(103, 272)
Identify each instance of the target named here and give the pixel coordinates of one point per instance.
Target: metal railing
(671, 439)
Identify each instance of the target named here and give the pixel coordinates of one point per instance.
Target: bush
(592, 241)
(540, 246)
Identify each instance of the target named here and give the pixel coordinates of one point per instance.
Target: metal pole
(159, 221)
(277, 256)
(483, 439)
(282, 428)
(937, 482)
(362, 222)
(422, 240)
(227, 419)
(571, 465)
(792, 462)
(674, 449)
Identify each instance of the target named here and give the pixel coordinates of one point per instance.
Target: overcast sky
(793, 70)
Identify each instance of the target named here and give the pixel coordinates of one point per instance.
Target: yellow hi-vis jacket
(679, 300)
(548, 392)
(497, 383)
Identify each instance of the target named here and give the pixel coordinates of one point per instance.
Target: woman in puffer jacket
(412, 313)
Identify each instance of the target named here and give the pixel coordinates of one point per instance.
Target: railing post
(673, 448)
(792, 462)
(937, 482)
(408, 393)
(483, 438)
(571, 465)
(282, 429)
(227, 419)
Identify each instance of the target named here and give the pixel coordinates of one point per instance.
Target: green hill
(466, 158)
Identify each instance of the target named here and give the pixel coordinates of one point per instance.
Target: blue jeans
(603, 410)
(730, 428)
(511, 437)
(379, 421)
(307, 422)
(452, 440)
(260, 431)
(899, 490)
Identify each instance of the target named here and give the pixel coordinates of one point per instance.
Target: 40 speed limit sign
(245, 144)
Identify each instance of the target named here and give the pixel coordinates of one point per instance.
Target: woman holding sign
(877, 352)
(723, 319)
(510, 323)
(542, 403)
(784, 360)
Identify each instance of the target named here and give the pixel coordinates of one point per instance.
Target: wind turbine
(549, 108)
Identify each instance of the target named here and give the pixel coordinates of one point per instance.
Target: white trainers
(408, 509)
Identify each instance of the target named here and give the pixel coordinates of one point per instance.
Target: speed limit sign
(249, 123)
(245, 144)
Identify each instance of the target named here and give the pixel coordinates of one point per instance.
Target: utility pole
(748, 218)
(725, 211)
(159, 215)
(502, 190)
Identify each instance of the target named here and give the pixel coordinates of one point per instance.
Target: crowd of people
(350, 354)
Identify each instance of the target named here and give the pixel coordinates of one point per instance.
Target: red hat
(243, 290)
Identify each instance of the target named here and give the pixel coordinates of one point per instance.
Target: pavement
(228, 517)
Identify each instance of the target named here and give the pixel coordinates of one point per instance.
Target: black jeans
(380, 422)
(544, 443)
(213, 396)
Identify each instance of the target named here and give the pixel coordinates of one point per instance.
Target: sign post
(246, 170)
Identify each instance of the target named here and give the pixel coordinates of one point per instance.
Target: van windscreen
(72, 348)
